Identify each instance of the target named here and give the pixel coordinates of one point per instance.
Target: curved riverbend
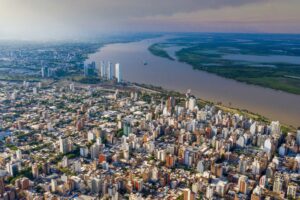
(174, 75)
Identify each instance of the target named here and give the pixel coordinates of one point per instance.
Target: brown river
(174, 75)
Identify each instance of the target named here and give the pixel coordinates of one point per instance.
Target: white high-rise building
(191, 103)
(154, 174)
(209, 192)
(278, 184)
(53, 185)
(95, 151)
(19, 154)
(65, 162)
(109, 71)
(72, 87)
(63, 145)
(77, 166)
(102, 69)
(95, 185)
(292, 190)
(118, 72)
(275, 128)
(91, 136)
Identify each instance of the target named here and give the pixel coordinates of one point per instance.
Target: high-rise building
(109, 71)
(191, 103)
(220, 188)
(298, 137)
(19, 154)
(209, 192)
(256, 167)
(170, 160)
(292, 190)
(186, 157)
(84, 151)
(118, 72)
(95, 185)
(243, 184)
(187, 194)
(65, 162)
(91, 136)
(25, 183)
(72, 87)
(43, 72)
(2, 186)
(102, 69)
(53, 185)
(35, 170)
(77, 166)
(243, 163)
(126, 127)
(275, 128)
(12, 168)
(154, 174)
(278, 184)
(93, 65)
(257, 193)
(89, 69)
(50, 72)
(63, 145)
(262, 181)
(95, 151)
(34, 90)
(45, 168)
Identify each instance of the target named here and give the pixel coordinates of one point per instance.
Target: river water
(178, 76)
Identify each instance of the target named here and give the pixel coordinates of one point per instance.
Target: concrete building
(118, 72)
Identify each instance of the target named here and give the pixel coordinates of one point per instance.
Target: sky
(66, 19)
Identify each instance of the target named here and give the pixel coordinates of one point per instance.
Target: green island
(224, 55)
(157, 50)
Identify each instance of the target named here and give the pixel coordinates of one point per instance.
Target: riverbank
(255, 116)
(269, 77)
(258, 59)
(178, 76)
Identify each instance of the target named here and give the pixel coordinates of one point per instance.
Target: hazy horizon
(77, 19)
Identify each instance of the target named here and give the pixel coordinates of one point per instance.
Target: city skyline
(142, 100)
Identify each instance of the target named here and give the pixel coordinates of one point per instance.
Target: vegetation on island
(212, 52)
(157, 50)
(275, 78)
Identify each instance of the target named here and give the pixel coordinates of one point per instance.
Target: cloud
(71, 18)
(119, 8)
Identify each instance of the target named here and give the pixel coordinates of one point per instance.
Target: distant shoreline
(203, 84)
(208, 57)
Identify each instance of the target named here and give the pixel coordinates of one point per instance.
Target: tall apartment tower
(243, 184)
(278, 184)
(109, 71)
(63, 145)
(118, 72)
(2, 184)
(43, 72)
(102, 69)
